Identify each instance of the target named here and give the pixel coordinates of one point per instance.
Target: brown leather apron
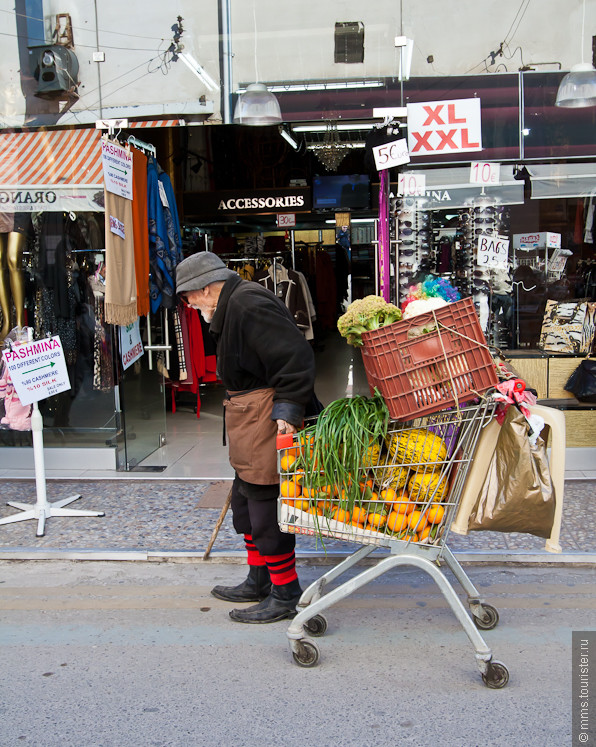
(251, 435)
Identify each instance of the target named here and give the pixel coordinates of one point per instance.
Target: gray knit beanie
(199, 270)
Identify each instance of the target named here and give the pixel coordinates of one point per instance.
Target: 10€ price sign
(411, 185)
(493, 251)
(485, 173)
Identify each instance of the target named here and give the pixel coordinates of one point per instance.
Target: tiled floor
(194, 448)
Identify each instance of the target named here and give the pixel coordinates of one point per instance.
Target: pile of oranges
(388, 510)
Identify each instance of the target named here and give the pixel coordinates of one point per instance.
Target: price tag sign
(493, 251)
(411, 185)
(37, 369)
(391, 154)
(286, 220)
(485, 173)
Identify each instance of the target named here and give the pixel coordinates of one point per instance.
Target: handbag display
(582, 382)
(517, 494)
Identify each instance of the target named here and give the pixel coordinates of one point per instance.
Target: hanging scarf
(121, 285)
(140, 229)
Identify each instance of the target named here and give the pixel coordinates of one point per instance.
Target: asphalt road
(101, 654)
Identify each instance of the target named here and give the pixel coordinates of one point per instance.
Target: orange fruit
(435, 513)
(315, 510)
(325, 505)
(286, 462)
(299, 504)
(413, 537)
(309, 492)
(369, 483)
(376, 520)
(341, 514)
(290, 489)
(417, 521)
(425, 532)
(359, 515)
(396, 522)
(388, 495)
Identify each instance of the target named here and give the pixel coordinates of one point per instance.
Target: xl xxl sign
(444, 127)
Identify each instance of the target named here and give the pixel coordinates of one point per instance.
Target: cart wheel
(316, 626)
(497, 675)
(490, 619)
(307, 654)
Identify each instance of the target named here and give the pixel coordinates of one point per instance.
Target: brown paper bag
(518, 494)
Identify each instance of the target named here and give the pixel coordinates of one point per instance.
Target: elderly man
(268, 370)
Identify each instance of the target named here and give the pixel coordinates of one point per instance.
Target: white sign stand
(42, 509)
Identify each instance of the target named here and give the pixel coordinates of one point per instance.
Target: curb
(238, 557)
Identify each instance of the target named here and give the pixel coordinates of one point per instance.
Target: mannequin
(12, 284)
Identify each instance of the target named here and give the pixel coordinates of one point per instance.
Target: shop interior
(330, 254)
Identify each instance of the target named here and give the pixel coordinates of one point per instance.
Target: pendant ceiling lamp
(578, 87)
(257, 106)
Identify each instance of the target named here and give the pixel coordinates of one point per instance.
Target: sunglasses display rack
(413, 240)
(470, 278)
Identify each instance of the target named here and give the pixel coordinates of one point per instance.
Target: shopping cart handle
(284, 440)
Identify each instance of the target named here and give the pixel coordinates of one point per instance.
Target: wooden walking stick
(218, 524)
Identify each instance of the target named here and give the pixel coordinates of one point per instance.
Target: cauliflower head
(365, 314)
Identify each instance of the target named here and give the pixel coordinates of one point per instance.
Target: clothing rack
(141, 145)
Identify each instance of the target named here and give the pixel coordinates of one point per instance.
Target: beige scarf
(121, 284)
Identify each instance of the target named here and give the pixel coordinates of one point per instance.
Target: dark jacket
(259, 345)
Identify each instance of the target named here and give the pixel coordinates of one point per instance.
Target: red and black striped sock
(282, 568)
(254, 557)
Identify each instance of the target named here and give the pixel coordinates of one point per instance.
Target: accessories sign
(444, 127)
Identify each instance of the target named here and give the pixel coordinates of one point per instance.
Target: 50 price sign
(391, 154)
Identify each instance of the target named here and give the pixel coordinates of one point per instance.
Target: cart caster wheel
(496, 676)
(307, 654)
(316, 626)
(490, 619)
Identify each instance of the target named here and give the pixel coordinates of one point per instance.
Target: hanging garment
(288, 288)
(589, 225)
(121, 284)
(168, 199)
(140, 226)
(161, 284)
(312, 314)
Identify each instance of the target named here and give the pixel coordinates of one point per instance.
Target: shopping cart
(409, 489)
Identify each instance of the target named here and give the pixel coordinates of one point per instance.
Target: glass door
(142, 394)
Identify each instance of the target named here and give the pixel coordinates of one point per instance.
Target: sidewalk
(160, 519)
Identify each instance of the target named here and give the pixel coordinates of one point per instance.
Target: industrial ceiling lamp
(578, 87)
(257, 106)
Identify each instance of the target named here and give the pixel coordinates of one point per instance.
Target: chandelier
(331, 151)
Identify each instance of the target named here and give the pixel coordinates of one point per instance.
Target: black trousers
(254, 512)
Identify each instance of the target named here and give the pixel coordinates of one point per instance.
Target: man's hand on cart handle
(284, 427)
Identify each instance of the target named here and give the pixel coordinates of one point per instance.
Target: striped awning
(149, 123)
(50, 158)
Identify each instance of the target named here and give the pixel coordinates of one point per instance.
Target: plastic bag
(582, 381)
(518, 494)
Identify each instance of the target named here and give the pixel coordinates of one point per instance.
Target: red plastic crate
(432, 372)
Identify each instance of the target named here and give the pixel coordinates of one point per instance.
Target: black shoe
(255, 587)
(279, 605)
